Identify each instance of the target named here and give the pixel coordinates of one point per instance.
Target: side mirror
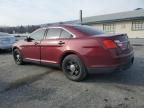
(29, 39)
(72, 36)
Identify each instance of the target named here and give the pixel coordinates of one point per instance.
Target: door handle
(61, 42)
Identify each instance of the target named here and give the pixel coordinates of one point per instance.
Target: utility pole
(81, 15)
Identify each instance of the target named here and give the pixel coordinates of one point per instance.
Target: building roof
(135, 14)
(129, 15)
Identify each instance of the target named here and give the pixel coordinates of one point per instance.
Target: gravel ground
(34, 86)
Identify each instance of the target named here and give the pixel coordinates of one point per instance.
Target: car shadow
(132, 76)
(51, 66)
(3, 52)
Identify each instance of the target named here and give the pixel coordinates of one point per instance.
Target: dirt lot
(33, 86)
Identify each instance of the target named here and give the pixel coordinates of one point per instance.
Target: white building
(131, 22)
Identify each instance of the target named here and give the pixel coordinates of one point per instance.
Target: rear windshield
(89, 30)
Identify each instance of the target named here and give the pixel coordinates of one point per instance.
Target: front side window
(65, 34)
(53, 33)
(110, 28)
(137, 25)
(38, 34)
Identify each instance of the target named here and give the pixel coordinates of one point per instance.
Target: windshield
(88, 30)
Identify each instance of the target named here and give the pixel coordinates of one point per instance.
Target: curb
(138, 44)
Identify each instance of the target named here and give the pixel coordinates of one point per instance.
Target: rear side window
(53, 33)
(38, 34)
(88, 30)
(65, 34)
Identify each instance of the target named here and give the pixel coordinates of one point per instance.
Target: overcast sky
(32, 12)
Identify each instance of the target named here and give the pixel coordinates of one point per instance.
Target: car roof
(62, 25)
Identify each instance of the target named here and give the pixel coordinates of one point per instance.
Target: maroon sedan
(77, 49)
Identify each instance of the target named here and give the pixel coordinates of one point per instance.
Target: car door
(54, 44)
(31, 49)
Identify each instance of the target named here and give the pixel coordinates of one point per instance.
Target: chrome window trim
(74, 36)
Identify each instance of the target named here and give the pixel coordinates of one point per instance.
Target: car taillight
(109, 44)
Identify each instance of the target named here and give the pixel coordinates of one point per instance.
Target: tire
(17, 57)
(73, 68)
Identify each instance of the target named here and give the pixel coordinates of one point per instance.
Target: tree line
(19, 29)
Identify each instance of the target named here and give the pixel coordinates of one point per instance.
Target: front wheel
(73, 68)
(17, 57)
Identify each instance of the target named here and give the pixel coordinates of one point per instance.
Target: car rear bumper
(110, 69)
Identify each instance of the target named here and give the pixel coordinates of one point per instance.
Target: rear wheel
(73, 68)
(17, 57)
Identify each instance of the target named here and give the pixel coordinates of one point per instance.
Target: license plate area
(123, 45)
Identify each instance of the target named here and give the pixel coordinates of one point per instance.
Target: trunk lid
(121, 40)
